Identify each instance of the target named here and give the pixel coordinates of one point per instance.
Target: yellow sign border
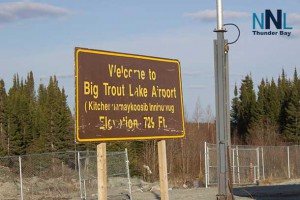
(78, 50)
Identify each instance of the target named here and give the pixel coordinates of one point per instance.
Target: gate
(245, 164)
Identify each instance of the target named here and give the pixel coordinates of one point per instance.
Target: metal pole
(219, 15)
(222, 108)
(227, 103)
(221, 116)
(21, 178)
(128, 174)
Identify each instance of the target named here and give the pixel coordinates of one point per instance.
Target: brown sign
(127, 97)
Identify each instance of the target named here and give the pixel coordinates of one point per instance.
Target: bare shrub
(264, 134)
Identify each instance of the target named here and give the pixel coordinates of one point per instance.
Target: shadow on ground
(275, 192)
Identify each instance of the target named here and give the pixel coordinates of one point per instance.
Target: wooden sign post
(101, 171)
(163, 175)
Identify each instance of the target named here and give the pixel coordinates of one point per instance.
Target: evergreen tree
(284, 91)
(59, 118)
(262, 131)
(261, 103)
(259, 115)
(296, 79)
(275, 112)
(15, 139)
(292, 127)
(3, 118)
(246, 106)
(41, 124)
(52, 110)
(273, 105)
(28, 111)
(65, 132)
(34, 124)
(234, 117)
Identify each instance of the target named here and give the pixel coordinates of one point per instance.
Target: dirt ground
(60, 189)
(183, 194)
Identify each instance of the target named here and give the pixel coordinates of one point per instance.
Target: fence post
(255, 173)
(233, 166)
(263, 162)
(205, 168)
(102, 171)
(288, 157)
(238, 164)
(79, 174)
(257, 157)
(163, 172)
(21, 178)
(251, 172)
(128, 174)
(207, 165)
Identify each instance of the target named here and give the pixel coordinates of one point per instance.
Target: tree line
(34, 121)
(269, 117)
(40, 120)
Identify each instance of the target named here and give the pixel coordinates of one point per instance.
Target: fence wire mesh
(118, 183)
(60, 175)
(294, 154)
(251, 164)
(10, 178)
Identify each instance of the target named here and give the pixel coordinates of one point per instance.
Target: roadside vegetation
(40, 120)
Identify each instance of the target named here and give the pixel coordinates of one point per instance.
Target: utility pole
(222, 108)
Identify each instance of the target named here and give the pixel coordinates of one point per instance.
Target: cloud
(12, 12)
(210, 15)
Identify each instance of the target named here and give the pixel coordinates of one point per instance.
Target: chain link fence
(65, 175)
(251, 164)
(119, 185)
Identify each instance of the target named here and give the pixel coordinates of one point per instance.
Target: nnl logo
(265, 20)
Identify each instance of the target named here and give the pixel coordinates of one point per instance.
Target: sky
(40, 36)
